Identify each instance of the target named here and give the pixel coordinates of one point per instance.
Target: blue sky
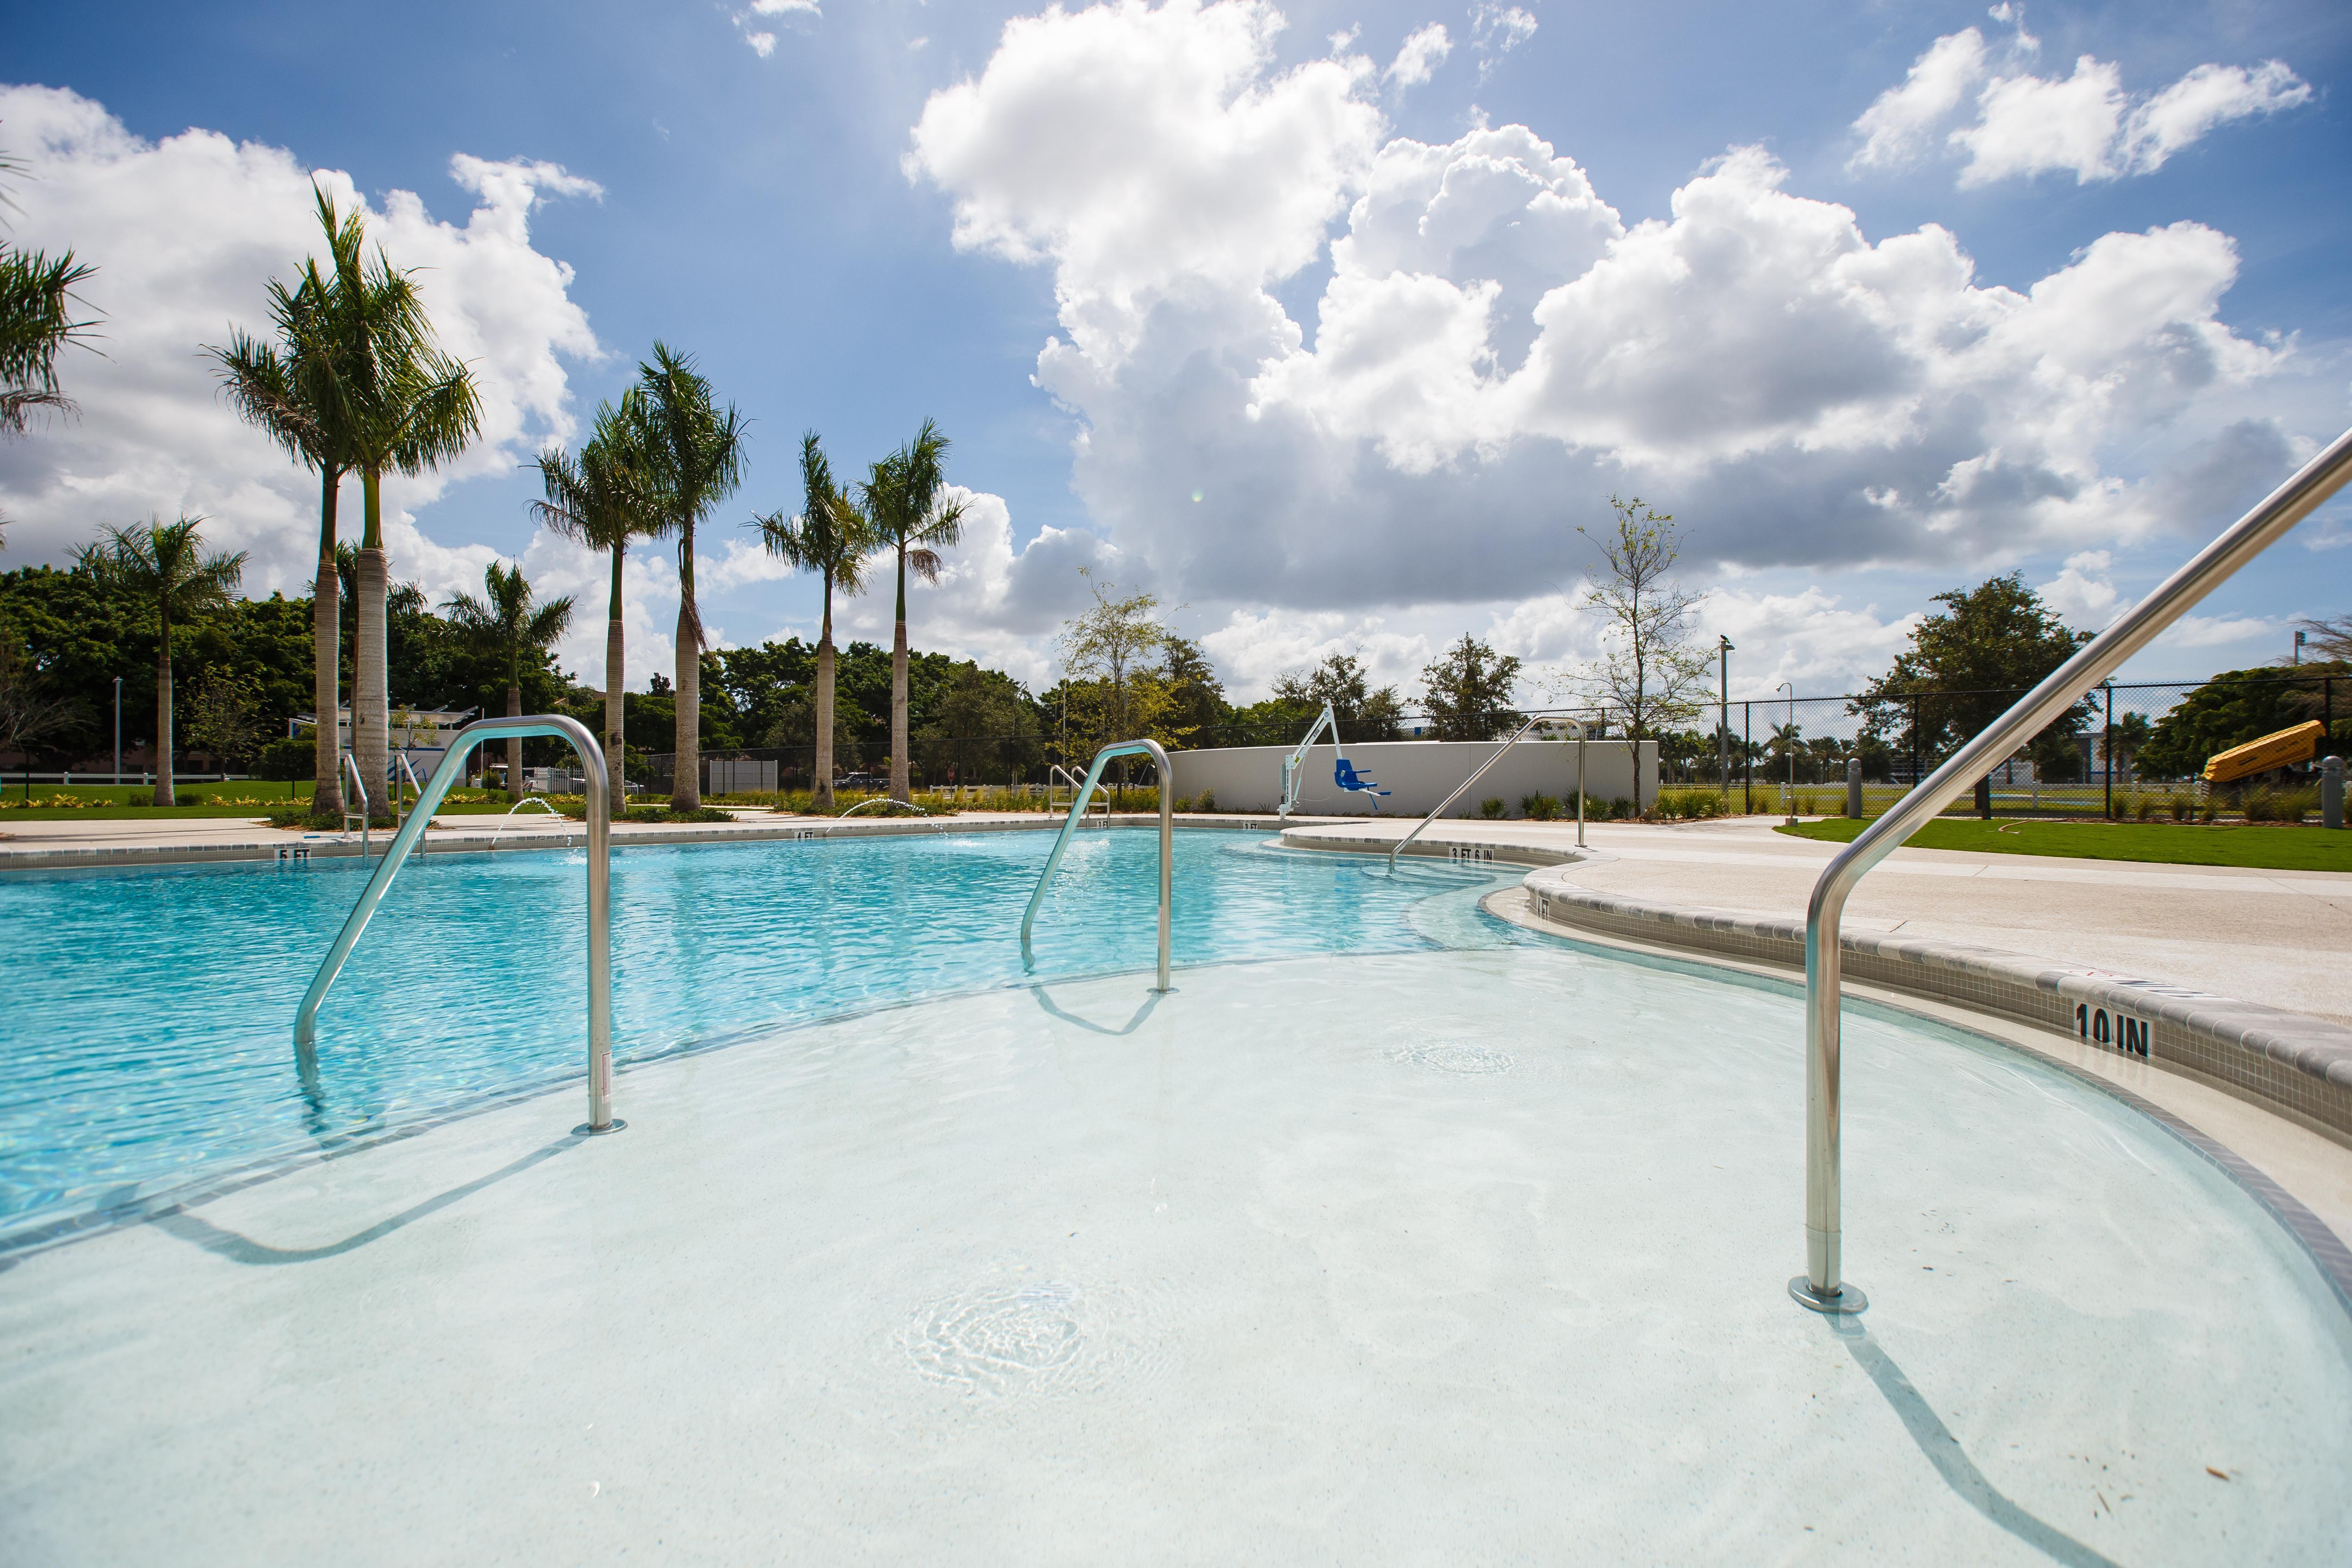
(775, 213)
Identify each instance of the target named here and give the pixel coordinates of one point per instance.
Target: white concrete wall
(1419, 773)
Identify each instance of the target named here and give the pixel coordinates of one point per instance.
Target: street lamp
(1789, 745)
(1723, 650)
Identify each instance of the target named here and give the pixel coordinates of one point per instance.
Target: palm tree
(411, 408)
(289, 389)
(602, 499)
(506, 628)
(36, 321)
(165, 565)
(833, 538)
(693, 455)
(906, 507)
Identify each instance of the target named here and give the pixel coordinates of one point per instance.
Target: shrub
(191, 798)
(1620, 810)
(298, 814)
(1539, 807)
(2273, 803)
(1493, 809)
(2182, 806)
(2142, 806)
(1686, 805)
(1208, 799)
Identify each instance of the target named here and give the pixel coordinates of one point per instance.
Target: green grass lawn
(2268, 848)
(112, 803)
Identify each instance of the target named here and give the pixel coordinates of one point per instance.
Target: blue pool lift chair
(1345, 775)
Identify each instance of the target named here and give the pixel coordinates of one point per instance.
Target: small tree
(1647, 670)
(1364, 714)
(1196, 697)
(165, 565)
(27, 716)
(1106, 648)
(2329, 638)
(225, 718)
(1469, 691)
(1967, 663)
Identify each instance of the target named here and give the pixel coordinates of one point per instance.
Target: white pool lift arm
(1294, 766)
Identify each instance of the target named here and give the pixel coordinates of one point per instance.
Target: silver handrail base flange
(585, 1130)
(1844, 1301)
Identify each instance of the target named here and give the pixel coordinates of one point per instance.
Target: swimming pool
(1396, 1233)
(147, 1026)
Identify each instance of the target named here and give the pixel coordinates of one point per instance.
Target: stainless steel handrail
(367, 805)
(400, 766)
(1823, 1286)
(1517, 735)
(1076, 792)
(600, 898)
(1159, 756)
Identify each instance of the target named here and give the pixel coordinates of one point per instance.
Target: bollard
(2331, 792)
(1853, 787)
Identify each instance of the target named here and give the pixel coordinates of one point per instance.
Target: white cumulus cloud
(1493, 352)
(2013, 122)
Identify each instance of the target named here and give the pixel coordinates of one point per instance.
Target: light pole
(1723, 713)
(118, 732)
(1789, 745)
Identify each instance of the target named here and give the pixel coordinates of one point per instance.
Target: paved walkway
(2274, 937)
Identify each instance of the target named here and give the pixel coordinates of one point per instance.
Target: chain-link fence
(2126, 751)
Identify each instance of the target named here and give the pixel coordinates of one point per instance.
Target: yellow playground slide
(2274, 751)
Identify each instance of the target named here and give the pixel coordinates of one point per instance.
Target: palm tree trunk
(899, 790)
(162, 714)
(824, 703)
(615, 674)
(686, 778)
(514, 745)
(326, 656)
(371, 700)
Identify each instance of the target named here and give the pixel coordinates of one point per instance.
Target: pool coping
(2292, 1064)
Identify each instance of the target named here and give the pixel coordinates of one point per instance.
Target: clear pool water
(147, 1029)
